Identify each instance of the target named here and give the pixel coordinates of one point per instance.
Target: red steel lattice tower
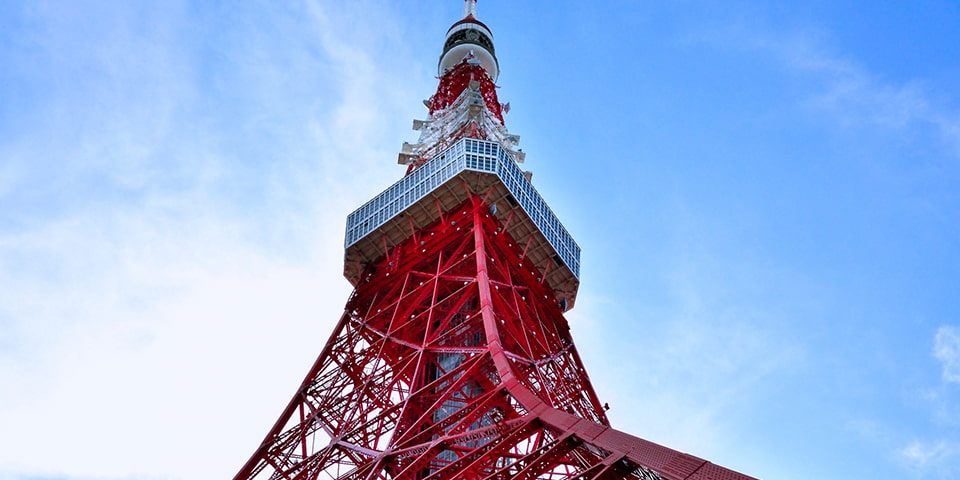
(453, 359)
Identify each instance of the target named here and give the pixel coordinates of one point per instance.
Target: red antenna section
(456, 80)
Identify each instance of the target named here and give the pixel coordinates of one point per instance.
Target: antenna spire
(469, 8)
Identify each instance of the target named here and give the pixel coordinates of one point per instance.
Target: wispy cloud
(937, 458)
(685, 374)
(171, 216)
(841, 87)
(946, 349)
(856, 96)
(938, 455)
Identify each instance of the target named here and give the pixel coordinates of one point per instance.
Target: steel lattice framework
(452, 359)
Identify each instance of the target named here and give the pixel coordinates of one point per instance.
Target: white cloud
(929, 456)
(947, 350)
(140, 326)
(686, 369)
(857, 96)
(843, 88)
(939, 458)
(180, 270)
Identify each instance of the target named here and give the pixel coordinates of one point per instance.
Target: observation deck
(469, 166)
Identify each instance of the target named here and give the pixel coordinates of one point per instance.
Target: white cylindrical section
(469, 8)
(456, 55)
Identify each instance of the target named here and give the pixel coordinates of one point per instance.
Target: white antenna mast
(469, 8)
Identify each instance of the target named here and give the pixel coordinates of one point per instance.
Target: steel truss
(452, 360)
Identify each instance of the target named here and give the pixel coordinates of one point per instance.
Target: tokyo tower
(452, 359)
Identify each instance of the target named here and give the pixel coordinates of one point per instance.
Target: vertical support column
(526, 398)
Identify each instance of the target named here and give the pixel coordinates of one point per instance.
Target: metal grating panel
(466, 154)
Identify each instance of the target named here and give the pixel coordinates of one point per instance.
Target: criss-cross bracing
(452, 359)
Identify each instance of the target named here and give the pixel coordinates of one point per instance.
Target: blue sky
(766, 196)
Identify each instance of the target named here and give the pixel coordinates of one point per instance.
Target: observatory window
(473, 154)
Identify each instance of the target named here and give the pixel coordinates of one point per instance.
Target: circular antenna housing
(469, 38)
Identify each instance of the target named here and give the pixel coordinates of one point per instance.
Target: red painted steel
(451, 361)
(457, 79)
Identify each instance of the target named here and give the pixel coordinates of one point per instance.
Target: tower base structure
(452, 360)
